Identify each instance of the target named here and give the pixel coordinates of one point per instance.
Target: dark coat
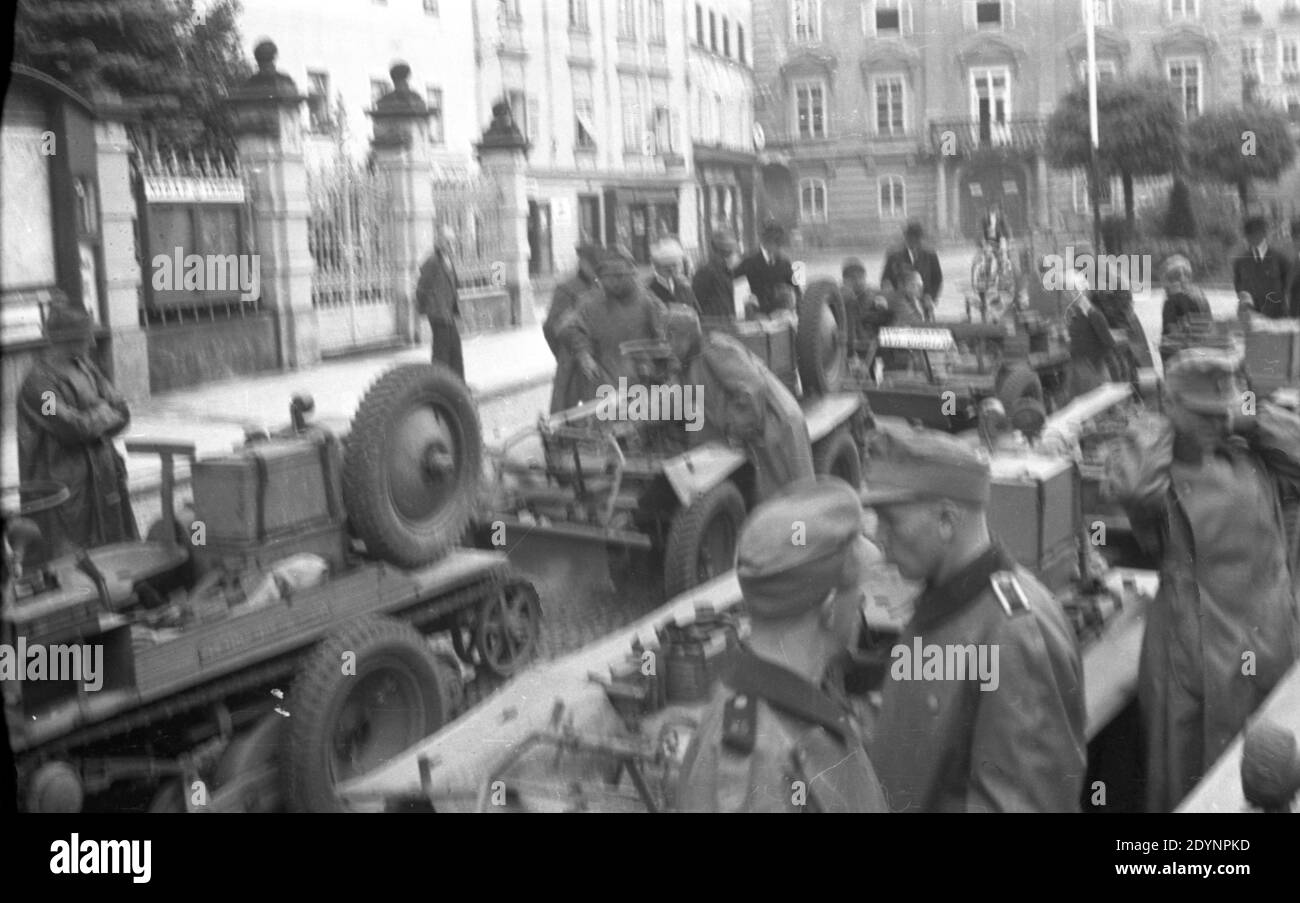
(437, 294)
(570, 386)
(1181, 307)
(1091, 344)
(948, 746)
(68, 414)
(764, 277)
(993, 231)
(713, 286)
(599, 324)
(926, 262)
(681, 293)
(1228, 580)
(1265, 281)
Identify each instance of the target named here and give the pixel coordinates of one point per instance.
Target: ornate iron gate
(349, 233)
(472, 206)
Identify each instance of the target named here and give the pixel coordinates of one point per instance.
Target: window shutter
(869, 18)
(968, 14)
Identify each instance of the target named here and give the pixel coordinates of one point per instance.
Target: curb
(153, 486)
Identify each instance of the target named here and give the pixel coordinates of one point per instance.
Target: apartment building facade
(882, 111)
(723, 136)
(1268, 33)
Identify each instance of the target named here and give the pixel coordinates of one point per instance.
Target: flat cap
(795, 547)
(723, 240)
(852, 265)
(908, 464)
(616, 255)
(68, 323)
(1204, 380)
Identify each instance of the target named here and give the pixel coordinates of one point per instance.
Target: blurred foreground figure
(772, 740)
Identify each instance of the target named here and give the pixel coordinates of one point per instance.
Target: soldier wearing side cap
(1203, 487)
(951, 745)
(569, 386)
(772, 739)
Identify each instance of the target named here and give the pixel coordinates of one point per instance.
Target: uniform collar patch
(938, 603)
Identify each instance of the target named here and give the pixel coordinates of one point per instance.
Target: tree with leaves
(174, 60)
(1240, 145)
(1141, 132)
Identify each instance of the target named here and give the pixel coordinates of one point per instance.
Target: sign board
(913, 338)
(177, 190)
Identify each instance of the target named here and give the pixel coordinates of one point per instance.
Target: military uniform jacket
(946, 745)
(806, 754)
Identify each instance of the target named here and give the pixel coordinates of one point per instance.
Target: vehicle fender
(695, 472)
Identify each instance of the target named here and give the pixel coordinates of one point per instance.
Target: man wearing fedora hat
(774, 738)
(714, 282)
(668, 282)
(767, 268)
(1203, 486)
(68, 414)
(950, 739)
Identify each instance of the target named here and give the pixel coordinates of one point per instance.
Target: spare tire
(413, 464)
(821, 338)
(1020, 382)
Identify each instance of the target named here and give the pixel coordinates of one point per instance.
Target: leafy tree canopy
(174, 59)
(1140, 128)
(1238, 145)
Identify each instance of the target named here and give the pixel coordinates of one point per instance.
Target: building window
(318, 102)
(1106, 69)
(627, 20)
(713, 31)
(656, 15)
(699, 25)
(584, 111)
(578, 15)
(1182, 9)
(632, 129)
(1081, 202)
(661, 122)
(1289, 54)
(726, 37)
(990, 95)
(1185, 75)
(740, 43)
(807, 20)
(433, 100)
(893, 199)
(519, 109)
(1250, 60)
(378, 88)
(890, 116)
(810, 109)
(508, 11)
(1103, 13)
(989, 14)
(812, 200)
(431, 7)
(887, 18)
(720, 119)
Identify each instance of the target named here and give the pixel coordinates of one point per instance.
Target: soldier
(964, 740)
(621, 312)
(1204, 487)
(714, 283)
(569, 388)
(771, 739)
(68, 415)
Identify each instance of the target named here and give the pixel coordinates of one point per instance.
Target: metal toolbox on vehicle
(269, 489)
(1273, 356)
(1035, 513)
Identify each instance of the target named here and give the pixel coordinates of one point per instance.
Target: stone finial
(268, 83)
(503, 132)
(401, 101)
(400, 73)
(265, 53)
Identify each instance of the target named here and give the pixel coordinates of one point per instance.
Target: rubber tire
(821, 370)
(320, 688)
(386, 533)
(1019, 382)
(839, 452)
(681, 553)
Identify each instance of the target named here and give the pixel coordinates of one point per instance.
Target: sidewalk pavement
(214, 416)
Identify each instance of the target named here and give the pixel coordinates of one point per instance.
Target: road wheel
(507, 629)
(413, 464)
(838, 456)
(1020, 382)
(345, 725)
(820, 340)
(702, 539)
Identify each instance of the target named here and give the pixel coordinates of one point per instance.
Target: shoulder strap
(787, 692)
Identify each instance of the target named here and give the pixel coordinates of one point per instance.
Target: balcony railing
(964, 136)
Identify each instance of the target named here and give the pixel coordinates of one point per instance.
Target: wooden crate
(1035, 513)
(1273, 357)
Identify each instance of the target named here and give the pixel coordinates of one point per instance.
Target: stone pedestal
(268, 128)
(401, 151)
(503, 156)
(128, 351)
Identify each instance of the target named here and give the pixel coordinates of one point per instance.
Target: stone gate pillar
(128, 349)
(503, 155)
(268, 130)
(401, 151)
